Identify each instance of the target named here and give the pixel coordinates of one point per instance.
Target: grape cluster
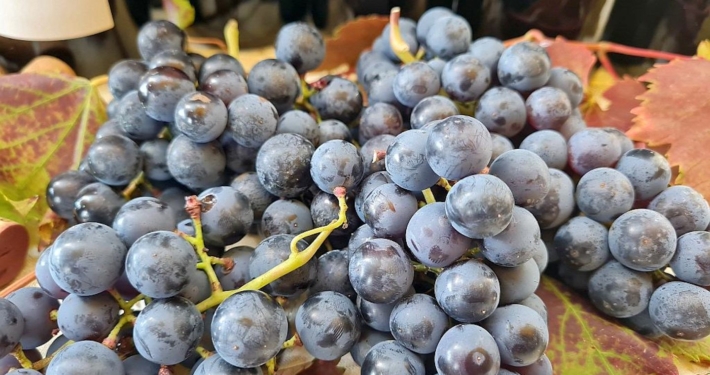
(410, 231)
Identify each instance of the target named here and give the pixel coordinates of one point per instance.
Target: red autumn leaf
(48, 123)
(622, 98)
(674, 112)
(349, 40)
(583, 342)
(572, 56)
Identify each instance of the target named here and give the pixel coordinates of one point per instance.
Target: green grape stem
(44, 362)
(194, 208)
(53, 315)
(296, 260)
(20, 356)
(112, 340)
(428, 196)
(295, 340)
(399, 46)
(204, 353)
(418, 267)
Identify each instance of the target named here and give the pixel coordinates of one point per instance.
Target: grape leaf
(583, 342)
(48, 123)
(620, 99)
(674, 112)
(344, 47)
(572, 56)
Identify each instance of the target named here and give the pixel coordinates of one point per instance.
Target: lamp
(51, 20)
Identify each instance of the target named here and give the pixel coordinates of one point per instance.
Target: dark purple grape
(618, 291)
(87, 318)
(240, 159)
(157, 36)
(569, 82)
(557, 206)
(388, 209)
(380, 271)
(219, 62)
(499, 146)
(465, 78)
(160, 90)
(196, 165)
(369, 151)
(325, 209)
(480, 206)
(524, 66)
(168, 331)
(239, 275)
(298, 122)
(572, 126)
(379, 118)
(225, 84)
(198, 287)
(141, 216)
(44, 278)
(252, 120)
(435, 107)
(525, 173)
(432, 239)
(114, 160)
(517, 243)
(536, 303)
(155, 163)
(542, 366)
(643, 325)
(86, 358)
(592, 148)
(648, 171)
(468, 291)
(691, 259)
(249, 328)
(332, 274)
(159, 264)
(177, 59)
(98, 203)
(283, 165)
(137, 365)
(300, 45)
(406, 161)
(457, 147)
(259, 199)
(215, 365)
(582, 244)
(124, 76)
(520, 332)
(449, 36)
(604, 194)
(428, 19)
(63, 190)
(335, 164)
(381, 89)
(286, 216)
(681, 310)
(35, 306)
(642, 239)
(197, 60)
(328, 325)
(548, 108)
(273, 251)
(517, 283)
(112, 126)
(549, 145)
(684, 207)
(276, 81)
(417, 322)
(201, 116)
(415, 82)
(487, 50)
(502, 110)
(329, 130)
(12, 328)
(377, 315)
(87, 259)
(339, 100)
(577, 280)
(467, 349)
(390, 357)
(226, 215)
(368, 338)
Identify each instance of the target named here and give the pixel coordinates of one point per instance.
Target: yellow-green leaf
(48, 123)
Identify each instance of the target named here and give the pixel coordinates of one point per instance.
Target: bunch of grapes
(410, 233)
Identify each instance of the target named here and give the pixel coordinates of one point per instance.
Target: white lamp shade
(50, 20)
